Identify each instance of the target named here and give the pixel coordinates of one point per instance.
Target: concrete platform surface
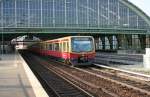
(14, 80)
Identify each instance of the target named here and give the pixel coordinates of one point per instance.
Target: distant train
(20, 46)
(75, 50)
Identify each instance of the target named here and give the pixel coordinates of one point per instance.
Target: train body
(75, 50)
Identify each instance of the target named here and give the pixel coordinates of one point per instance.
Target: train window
(82, 44)
(44, 46)
(50, 47)
(60, 47)
(56, 46)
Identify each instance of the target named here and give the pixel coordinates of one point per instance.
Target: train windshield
(82, 44)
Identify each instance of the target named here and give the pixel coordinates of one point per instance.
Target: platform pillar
(103, 43)
(96, 43)
(142, 41)
(147, 41)
(129, 42)
(110, 38)
(122, 42)
(146, 59)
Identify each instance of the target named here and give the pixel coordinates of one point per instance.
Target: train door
(66, 46)
(65, 53)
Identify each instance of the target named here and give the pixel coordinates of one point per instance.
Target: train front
(82, 50)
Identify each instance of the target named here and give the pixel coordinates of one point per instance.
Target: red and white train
(75, 50)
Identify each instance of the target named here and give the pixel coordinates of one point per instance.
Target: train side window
(56, 46)
(60, 46)
(50, 47)
(53, 47)
(64, 46)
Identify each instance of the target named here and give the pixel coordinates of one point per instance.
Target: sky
(143, 5)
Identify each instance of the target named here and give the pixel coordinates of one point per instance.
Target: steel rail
(117, 82)
(145, 77)
(57, 92)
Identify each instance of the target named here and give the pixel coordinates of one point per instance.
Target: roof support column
(29, 13)
(118, 13)
(41, 13)
(65, 13)
(108, 13)
(110, 38)
(96, 43)
(128, 16)
(137, 21)
(129, 42)
(103, 42)
(135, 42)
(53, 13)
(1, 14)
(87, 13)
(142, 41)
(98, 14)
(15, 13)
(77, 12)
(122, 42)
(147, 41)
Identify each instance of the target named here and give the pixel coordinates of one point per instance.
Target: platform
(15, 80)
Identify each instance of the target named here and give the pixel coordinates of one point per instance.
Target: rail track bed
(55, 85)
(97, 81)
(138, 76)
(110, 83)
(128, 80)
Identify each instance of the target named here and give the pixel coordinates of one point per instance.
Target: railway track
(125, 80)
(67, 73)
(120, 87)
(99, 82)
(133, 75)
(55, 85)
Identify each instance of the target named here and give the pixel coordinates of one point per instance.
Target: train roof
(64, 38)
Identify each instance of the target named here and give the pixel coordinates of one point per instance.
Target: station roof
(144, 5)
(123, 26)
